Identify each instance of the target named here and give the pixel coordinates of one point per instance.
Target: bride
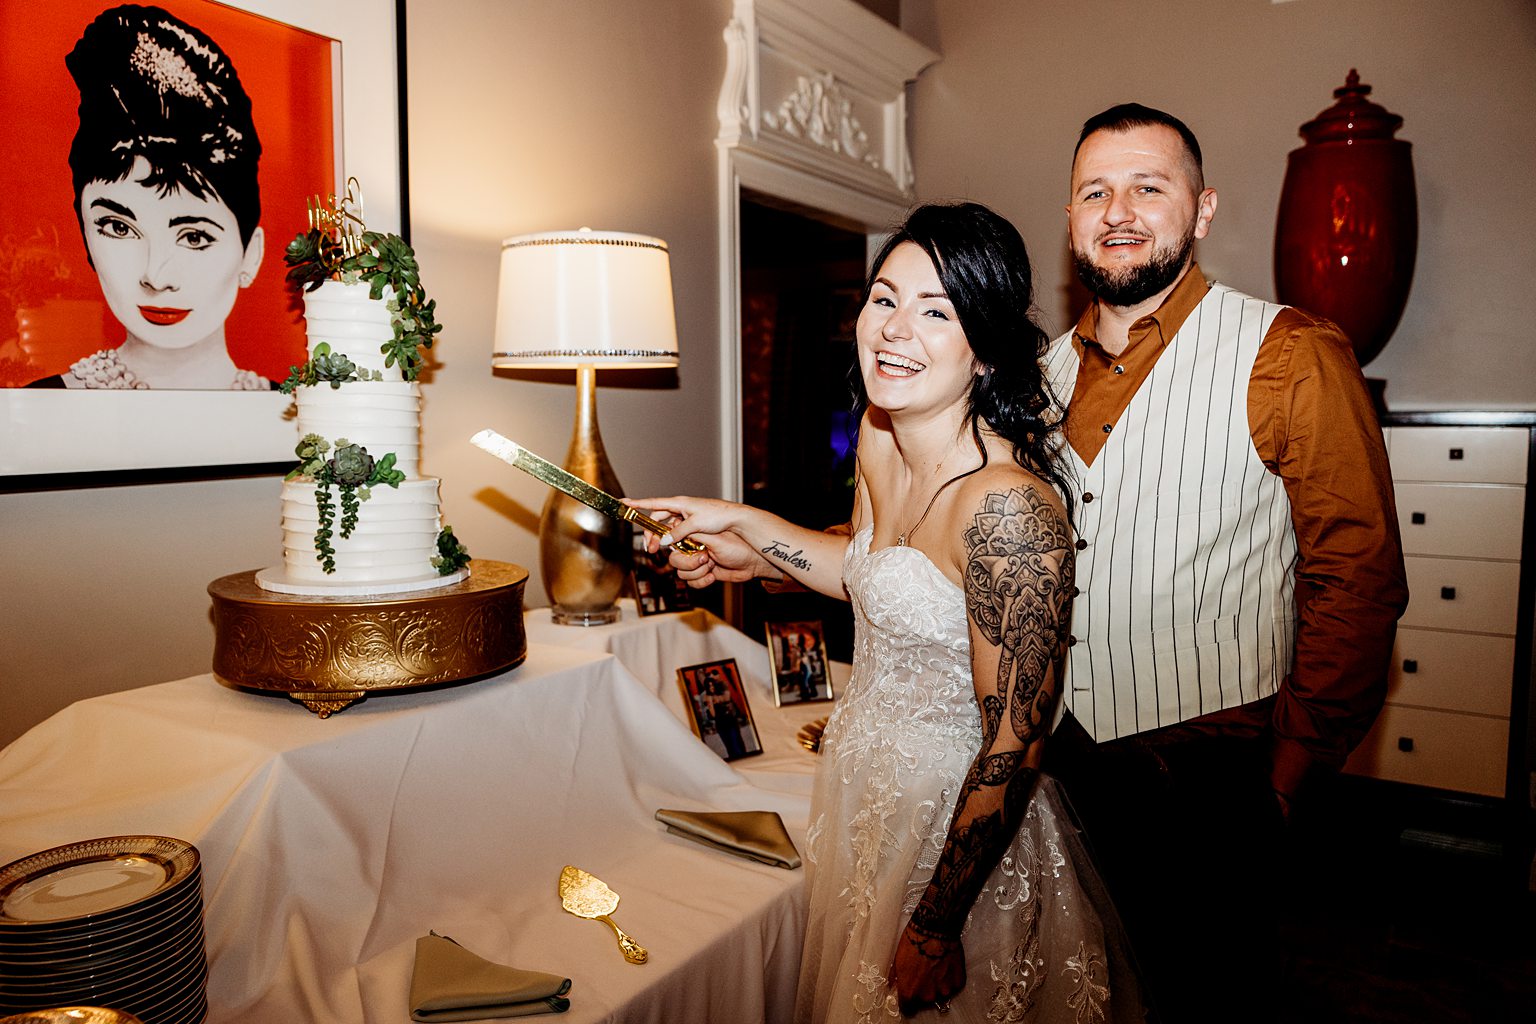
(945, 874)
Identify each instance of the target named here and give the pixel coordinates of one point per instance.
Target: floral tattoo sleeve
(1018, 595)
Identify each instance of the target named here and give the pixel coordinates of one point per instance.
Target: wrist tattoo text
(793, 559)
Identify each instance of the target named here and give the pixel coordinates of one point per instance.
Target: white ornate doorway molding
(813, 110)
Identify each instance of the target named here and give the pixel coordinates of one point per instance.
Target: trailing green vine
(386, 263)
(352, 471)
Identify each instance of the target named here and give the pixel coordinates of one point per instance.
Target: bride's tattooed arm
(1018, 593)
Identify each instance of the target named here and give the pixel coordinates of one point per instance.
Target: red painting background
(51, 309)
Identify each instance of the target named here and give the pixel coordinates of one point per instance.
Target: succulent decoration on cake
(384, 262)
(352, 471)
(451, 555)
(327, 367)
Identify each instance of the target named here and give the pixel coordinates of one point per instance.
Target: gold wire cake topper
(342, 215)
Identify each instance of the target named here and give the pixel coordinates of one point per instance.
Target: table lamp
(584, 299)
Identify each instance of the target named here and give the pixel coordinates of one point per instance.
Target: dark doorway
(802, 278)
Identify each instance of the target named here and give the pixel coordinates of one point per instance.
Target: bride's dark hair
(153, 86)
(984, 267)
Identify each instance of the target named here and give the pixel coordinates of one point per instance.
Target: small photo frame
(718, 710)
(655, 583)
(797, 663)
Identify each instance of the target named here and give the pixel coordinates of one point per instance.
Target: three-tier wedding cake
(357, 516)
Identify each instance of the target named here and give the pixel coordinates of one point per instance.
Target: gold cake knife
(516, 455)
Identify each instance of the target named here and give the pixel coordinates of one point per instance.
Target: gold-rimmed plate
(72, 1015)
(43, 946)
(90, 882)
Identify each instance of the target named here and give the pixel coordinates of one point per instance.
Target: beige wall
(996, 121)
(528, 116)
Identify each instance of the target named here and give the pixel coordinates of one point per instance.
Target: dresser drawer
(1465, 594)
(1486, 455)
(1452, 671)
(1466, 520)
(1445, 750)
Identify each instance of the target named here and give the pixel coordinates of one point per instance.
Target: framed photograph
(97, 270)
(718, 709)
(654, 581)
(797, 663)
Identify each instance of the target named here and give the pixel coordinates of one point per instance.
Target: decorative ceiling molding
(820, 86)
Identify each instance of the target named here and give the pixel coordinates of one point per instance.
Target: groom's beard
(1127, 286)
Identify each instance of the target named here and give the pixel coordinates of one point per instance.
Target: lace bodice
(912, 650)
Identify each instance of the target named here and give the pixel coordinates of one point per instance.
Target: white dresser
(1457, 706)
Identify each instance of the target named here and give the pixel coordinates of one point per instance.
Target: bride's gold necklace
(901, 538)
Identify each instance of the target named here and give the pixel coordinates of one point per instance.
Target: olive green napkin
(451, 983)
(759, 835)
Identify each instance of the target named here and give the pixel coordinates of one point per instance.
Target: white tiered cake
(391, 547)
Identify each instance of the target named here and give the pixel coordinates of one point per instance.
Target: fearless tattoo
(793, 559)
(1018, 592)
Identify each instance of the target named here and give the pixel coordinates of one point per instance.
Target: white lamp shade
(585, 298)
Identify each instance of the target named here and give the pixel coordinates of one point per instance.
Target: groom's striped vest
(1187, 580)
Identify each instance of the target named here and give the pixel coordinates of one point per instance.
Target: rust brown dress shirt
(1313, 425)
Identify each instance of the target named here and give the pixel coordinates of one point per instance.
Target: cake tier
(394, 541)
(344, 317)
(383, 417)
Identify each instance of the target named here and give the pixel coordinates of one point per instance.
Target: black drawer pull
(1447, 593)
(1410, 665)
(1417, 518)
(1405, 744)
(1456, 455)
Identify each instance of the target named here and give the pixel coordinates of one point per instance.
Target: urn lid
(1352, 116)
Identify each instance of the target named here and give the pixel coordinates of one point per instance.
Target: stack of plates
(114, 923)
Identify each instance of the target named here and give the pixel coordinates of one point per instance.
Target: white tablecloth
(655, 647)
(330, 845)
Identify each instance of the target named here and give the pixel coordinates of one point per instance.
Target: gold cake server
(516, 455)
(589, 896)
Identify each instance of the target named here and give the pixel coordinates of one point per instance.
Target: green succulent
(332, 366)
(325, 365)
(351, 466)
(451, 555)
(311, 451)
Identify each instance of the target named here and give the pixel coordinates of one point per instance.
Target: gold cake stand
(327, 653)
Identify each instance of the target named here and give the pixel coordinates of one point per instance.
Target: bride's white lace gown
(1041, 943)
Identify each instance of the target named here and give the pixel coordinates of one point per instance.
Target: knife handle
(686, 546)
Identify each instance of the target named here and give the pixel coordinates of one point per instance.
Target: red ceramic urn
(1348, 227)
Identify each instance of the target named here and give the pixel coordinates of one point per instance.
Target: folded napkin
(451, 983)
(759, 835)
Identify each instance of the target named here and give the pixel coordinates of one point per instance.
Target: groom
(1239, 565)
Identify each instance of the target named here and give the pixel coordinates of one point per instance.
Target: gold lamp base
(327, 653)
(584, 554)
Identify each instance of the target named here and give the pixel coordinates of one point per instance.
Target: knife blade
(515, 455)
